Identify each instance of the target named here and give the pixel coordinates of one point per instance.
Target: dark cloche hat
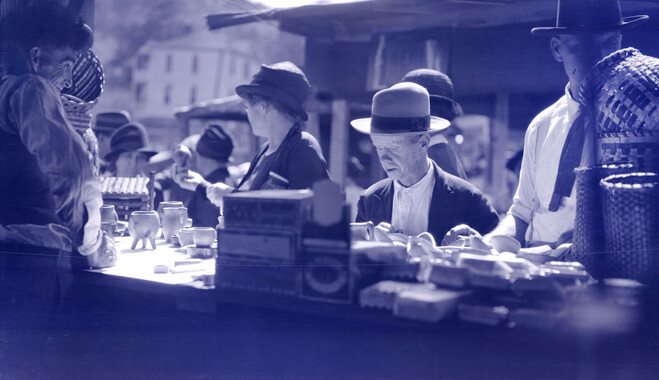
(128, 138)
(440, 88)
(583, 16)
(215, 143)
(283, 82)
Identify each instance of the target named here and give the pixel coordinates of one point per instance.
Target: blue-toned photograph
(329, 189)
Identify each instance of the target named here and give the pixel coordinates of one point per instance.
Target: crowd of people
(51, 197)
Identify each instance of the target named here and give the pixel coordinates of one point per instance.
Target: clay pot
(203, 236)
(174, 219)
(109, 214)
(164, 204)
(143, 225)
(185, 236)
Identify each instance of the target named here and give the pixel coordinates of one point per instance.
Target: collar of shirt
(572, 104)
(412, 204)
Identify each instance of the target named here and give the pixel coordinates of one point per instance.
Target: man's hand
(187, 179)
(105, 256)
(458, 232)
(216, 192)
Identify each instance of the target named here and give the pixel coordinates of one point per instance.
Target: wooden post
(497, 153)
(339, 140)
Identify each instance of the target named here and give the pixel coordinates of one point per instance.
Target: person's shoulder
(545, 115)
(307, 139)
(376, 188)
(457, 184)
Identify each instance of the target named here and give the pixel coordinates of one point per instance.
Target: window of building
(193, 94)
(246, 71)
(195, 63)
(232, 65)
(140, 93)
(142, 61)
(169, 63)
(168, 94)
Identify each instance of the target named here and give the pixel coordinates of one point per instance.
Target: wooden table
(140, 324)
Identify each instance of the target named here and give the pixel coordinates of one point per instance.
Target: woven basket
(88, 80)
(588, 239)
(639, 148)
(631, 225)
(76, 114)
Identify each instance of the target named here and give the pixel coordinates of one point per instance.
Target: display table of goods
(168, 263)
(493, 284)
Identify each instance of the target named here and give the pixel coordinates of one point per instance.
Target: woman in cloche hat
(291, 158)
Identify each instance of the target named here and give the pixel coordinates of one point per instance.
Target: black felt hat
(440, 88)
(215, 143)
(283, 82)
(585, 16)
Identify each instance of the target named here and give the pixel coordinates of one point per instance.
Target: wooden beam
(339, 140)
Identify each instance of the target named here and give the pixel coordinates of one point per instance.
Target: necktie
(570, 159)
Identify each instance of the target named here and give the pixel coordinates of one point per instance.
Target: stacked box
(258, 247)
(126, 194)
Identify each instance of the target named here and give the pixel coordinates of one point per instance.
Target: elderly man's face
(403, 158)
(54, 64)
(580, 52)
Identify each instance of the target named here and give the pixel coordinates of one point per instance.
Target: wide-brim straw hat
(402, 109)
(587, 16)
(283, 82)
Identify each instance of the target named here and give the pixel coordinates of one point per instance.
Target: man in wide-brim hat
(442, 104)
(417, 196)
(543, 209)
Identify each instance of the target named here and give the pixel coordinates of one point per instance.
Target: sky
(296, 3)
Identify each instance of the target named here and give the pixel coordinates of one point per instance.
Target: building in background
(182, 71)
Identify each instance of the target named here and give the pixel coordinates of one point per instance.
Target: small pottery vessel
(203, 236)
(109, 214)
(185, 236)
(164, 204)
(173, 221)
(143, 225)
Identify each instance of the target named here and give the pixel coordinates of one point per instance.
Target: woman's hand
(187, 179)
(216, 192)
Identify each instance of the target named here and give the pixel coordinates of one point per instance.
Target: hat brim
(626, 22)
(113, 154)
(363, 125)
(273, 93)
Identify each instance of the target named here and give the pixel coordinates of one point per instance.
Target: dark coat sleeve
(482, 217)
(361, 210)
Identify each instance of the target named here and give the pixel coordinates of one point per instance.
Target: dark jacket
(200, 209)
(454, 201)
(298, 159)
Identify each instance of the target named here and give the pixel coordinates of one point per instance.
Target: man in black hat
(543, 209)
(213, 151)
(418, 196)
(49, 196)
(440, 88)
(291, 158)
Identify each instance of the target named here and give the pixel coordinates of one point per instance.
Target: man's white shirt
(543, 145)
(412, 204)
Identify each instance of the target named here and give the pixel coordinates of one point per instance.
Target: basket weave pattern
(631, 223)
(588, 238)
